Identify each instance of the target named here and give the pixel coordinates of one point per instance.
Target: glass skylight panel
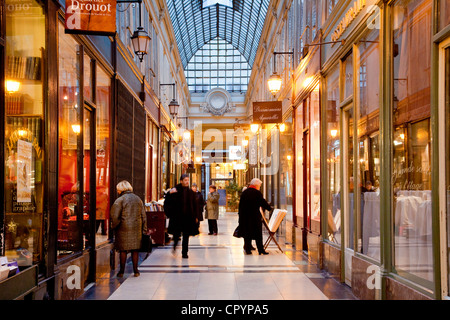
(208, 3)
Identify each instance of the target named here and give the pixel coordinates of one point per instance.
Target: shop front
(24, 154)
(380, 177)
(60, 133)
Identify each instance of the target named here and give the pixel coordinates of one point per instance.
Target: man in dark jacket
(250, 219)
(200, 202)
(180, 206)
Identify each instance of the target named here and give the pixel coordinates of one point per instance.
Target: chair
(272, 226)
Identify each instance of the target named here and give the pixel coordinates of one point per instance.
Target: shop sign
(91, 17)
(268, 112)
(351, 14)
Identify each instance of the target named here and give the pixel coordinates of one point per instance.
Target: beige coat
(129, 221)
(212, 206)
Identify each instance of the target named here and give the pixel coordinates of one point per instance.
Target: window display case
(23, 149)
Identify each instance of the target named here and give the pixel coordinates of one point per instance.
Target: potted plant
(233, 194)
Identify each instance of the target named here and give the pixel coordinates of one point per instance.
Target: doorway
(89, 187)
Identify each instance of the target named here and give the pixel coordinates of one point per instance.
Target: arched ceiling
(197, 22)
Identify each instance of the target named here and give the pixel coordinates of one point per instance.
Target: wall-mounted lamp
(275, 80)
(140, 38)
(254, 127)
(173, 105)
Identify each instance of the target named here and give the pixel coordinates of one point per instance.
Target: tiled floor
(218, 269)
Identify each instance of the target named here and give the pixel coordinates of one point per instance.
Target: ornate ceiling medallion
(217, 102)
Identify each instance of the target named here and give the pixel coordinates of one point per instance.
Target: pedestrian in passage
(129, 222)
(250, 219)
(200, 203)
(212, 209)
(180, 206)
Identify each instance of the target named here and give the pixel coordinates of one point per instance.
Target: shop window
(315, 161)
(286, 155)
(333, 172)
(299, 165)
(444, 14)
(347, 77)
(87, 78)
(103, 102)
(446, 101)
(368, 153)
(23, 149)
(411, 142)
(70, 221)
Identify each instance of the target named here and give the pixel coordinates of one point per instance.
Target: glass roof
(218, 65)
(197, 22)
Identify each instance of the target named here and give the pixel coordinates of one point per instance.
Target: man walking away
(180, 206)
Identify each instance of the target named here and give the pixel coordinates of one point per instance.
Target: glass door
(89, 183)
(89, 186)
(348, 188)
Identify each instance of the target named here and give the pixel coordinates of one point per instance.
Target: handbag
(236, 233)
(146, 244)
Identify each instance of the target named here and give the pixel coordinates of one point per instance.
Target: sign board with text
(91, 17)
(268, 112)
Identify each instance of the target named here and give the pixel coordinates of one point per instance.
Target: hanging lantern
(140, 41)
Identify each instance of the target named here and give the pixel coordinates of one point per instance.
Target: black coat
(250, 219)
(181, 212)
(200, 204)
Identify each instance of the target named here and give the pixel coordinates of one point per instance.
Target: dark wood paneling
(139, 150)
(130, 140)
(124, 134)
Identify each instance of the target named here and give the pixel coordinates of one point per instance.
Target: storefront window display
(69, 238)
(333, 173)
(315, 161)
(286, 166)
(368, 187)
(24, 121)
(103, 98)
(299, 164)
(411, 145)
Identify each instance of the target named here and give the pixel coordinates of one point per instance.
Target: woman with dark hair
(180, 206)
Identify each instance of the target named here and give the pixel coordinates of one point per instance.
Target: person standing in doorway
(250, 219)
(180, 206)
(212, 209)
(129, 222)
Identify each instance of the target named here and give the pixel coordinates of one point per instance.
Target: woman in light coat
(212, 209)
(129, 222)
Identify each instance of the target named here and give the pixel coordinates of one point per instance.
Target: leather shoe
(263, 252)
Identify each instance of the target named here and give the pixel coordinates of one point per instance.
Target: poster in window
(24, 154)
(91, 17)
